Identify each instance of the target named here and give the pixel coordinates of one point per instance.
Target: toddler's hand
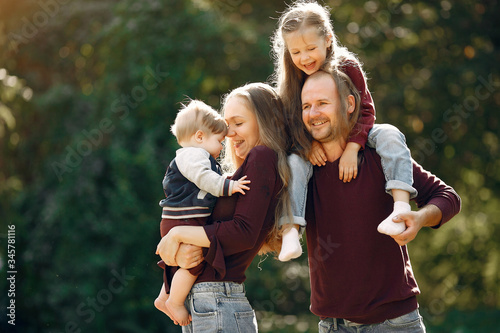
(317, 156)
(239, 185)
(348, 164)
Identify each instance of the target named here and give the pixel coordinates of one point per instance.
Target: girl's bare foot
(179, 312)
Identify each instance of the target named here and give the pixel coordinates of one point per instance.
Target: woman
(242, 225)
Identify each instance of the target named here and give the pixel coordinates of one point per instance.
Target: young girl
(303, 44)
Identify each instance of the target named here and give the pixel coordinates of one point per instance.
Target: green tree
(88, 90)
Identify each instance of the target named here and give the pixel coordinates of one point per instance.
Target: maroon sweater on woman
(241, 223)
(356, 272)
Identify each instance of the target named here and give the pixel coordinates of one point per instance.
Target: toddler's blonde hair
(197, 116)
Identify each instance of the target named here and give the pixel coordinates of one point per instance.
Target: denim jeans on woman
(219, 307)
(395, 158)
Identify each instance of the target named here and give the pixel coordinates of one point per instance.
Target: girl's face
(243, 129)
(308, 49)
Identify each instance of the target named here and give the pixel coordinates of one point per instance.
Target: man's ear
(351, 104)
(198, 136)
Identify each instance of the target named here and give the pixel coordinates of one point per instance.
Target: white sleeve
(194, 164)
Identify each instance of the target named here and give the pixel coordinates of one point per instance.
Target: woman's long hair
(263, 100)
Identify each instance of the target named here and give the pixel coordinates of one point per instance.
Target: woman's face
(243, 129)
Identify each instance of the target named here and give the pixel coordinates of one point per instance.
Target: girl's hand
(317, 156)
(348, 164)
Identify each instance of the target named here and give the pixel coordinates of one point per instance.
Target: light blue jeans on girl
(396, 161)
(219, 307)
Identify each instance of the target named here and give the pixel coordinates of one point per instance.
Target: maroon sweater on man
(356, 272)
(241, 223)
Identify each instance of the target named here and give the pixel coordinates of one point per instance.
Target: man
(361, 280)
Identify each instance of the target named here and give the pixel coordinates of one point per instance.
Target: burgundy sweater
(241, 223)
(356, 272)
(366, 119)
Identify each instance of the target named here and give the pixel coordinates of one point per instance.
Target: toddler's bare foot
(160, 305)
(179, 312)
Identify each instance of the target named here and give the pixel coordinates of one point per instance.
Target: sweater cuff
(227, 191)
(446, 206)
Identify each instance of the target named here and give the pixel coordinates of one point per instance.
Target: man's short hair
(197, 116)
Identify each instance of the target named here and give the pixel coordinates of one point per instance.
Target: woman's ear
(198, 136)
(351, 104)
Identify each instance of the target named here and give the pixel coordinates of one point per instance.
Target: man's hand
(428, 216)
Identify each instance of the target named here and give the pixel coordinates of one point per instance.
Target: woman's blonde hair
(266, 104)
(288, 79)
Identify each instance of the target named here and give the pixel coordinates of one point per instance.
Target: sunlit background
(88, 90)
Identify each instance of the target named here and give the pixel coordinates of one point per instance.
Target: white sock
(388, 226)
(290, 247)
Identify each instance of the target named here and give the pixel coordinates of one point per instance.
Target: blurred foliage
(88, 90)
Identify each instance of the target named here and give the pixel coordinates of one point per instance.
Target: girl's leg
(182, 282)
(397, 165)
(301, 173)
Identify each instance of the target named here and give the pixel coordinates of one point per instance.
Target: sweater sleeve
(194, 164)
(359, 133)
(242, 231)
(432, 190)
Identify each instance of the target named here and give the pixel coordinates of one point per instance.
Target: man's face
(321, 107)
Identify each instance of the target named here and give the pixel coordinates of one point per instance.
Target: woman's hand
(189, 256)
(168, 247)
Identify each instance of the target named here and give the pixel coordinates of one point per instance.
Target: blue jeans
(219, 307)
(409, 323)
(301, 171)
(395, 158)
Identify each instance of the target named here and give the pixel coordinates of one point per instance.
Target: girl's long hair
(288, 79)
(266, 104)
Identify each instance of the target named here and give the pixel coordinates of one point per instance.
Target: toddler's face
(308, 49)
(213, 144)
